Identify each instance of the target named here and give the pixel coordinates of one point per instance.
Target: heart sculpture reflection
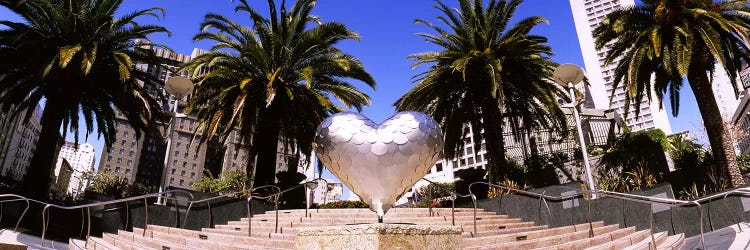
(379, 162)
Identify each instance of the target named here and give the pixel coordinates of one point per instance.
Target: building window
(109, 158)
(182, 182)
(439, 167)
(193, 165)
(122, 151)
(117, 169)
(469, 150)
(192, 175)
(171, 180)
(122, 143)
(463, 162)
(173, 170)
(125, 135)
(471, 160)
(131, 153)
(174, 162)
(182, 173)
(119, 160)
(132, 145)
(127, 171)
(176, 153)
(130, 162)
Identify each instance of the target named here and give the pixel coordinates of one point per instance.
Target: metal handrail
(249, 206)
(741, 191)
(19, 198)
(453, 197)
(45, 218)
(616, 195)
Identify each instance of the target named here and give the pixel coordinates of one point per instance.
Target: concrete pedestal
(380, 236)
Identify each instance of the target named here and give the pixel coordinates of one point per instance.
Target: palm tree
(487, 76)
(273, 81)
(81, 60)
(661, 42)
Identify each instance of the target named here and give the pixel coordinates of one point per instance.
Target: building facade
(142, 160)
(81, 159)
(600, 127)
(587, 15)
(59, 180)
(19, 144)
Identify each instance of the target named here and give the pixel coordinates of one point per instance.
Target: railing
(45, 211)
(18, 198)
(616, 195)
(453, 197)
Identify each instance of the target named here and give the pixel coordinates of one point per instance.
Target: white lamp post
(567, 75)
(178, 87)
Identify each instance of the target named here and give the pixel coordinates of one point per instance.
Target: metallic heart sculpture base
(379, 162)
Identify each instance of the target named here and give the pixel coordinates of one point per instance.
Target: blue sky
(387, 37)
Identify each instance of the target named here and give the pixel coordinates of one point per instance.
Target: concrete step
(123, 243)
(92, 243)
(674, 242)
(367, 211)
(593, 241)
(151, 242)
(551, 239)
(469, 233)
(334, 222)
(624, 242)
(202, 236)
(270, 234)
(528, 235)
(648, 242)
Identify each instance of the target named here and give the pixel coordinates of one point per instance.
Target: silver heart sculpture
(379, 162)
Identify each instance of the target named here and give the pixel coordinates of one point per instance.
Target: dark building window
(439, 167)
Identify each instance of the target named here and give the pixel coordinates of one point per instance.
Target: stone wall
(716, 214)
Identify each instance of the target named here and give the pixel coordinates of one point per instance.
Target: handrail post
(276, 207)
(651, 227)
(249, 215)
(453, 209)
(591, 226)
(83, 219)
(474, 201)
(703, 240)
(44, 223)
(210, 215)
(127, 216)
(145, 217)
(187, 212)
(88, 229)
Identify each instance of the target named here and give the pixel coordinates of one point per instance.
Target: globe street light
(179, 87)
(567, 75)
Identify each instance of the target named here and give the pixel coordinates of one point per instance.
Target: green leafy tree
(274, 81)
(631, 150)
(80, 59)
(488, 75)
(658, 44)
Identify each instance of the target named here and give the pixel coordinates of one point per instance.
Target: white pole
(170, 127)
(582, 142)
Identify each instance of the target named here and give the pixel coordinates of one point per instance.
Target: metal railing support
(276, 207)
(474, 202)
(249, 216)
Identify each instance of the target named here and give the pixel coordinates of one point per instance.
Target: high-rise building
(81, 159)
(142, 160)
(19, 144)
(587, 15)
(600, 127)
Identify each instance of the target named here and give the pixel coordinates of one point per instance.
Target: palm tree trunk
(493, 137)
(36, 181)
(722, 146)
(265, 142)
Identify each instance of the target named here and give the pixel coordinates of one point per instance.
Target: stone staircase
(493, 232)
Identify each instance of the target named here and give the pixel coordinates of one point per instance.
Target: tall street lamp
(179, 87)
(568, 75)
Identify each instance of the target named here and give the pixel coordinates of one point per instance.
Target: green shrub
(344, 204)
(109, 183)
(228, 182)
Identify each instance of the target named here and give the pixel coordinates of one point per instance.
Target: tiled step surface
(493, 232)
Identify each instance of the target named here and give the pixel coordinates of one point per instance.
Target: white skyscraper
(587, 14)
(81, 159)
